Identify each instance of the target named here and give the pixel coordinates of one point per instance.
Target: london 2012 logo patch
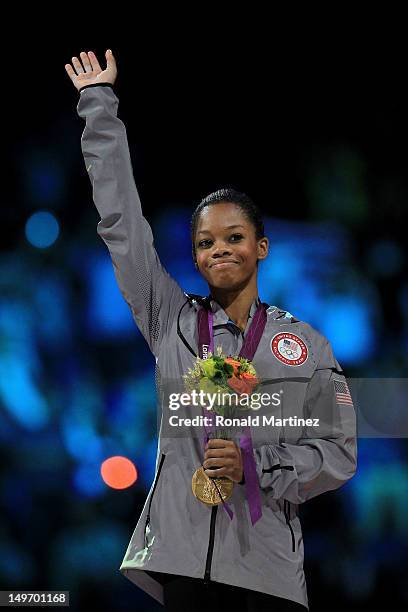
(289, 349)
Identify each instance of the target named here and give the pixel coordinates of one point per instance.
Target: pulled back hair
(243, 201)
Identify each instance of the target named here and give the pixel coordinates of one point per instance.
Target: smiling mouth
(221, 264)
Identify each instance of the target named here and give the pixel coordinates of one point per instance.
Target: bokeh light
(42, 229)
(118, 472)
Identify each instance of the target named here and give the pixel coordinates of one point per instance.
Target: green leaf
(228, 368)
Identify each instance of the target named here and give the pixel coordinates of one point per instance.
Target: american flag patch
(342, 392)
(290, 344)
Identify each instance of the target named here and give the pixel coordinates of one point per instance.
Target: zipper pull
(147, 523)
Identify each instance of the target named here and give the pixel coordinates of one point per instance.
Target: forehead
(220, 216)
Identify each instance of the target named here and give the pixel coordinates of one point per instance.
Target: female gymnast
(244, 551)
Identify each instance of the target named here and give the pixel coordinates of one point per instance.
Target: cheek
(201, 260)
(248, 253)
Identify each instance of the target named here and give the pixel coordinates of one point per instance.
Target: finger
(77, 65)
(215, 452)
(225, 457)
(86, 62)
(217, 462)
(216, 472)
(94, 62)
(213, 463)
(70, 71)
(110, 60)
(221, 455)
(218, 443)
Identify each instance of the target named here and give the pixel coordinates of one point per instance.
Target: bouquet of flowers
(226, 376)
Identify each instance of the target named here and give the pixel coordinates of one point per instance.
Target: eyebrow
(228, 227)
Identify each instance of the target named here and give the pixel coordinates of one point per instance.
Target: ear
(263, 248)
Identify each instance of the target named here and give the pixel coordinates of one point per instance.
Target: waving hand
(90, 71)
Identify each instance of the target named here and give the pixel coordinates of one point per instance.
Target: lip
(221, 264)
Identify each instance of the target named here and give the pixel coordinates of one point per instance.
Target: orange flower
(237, 384)
(250, 380)
(244, 383)
(235, 364)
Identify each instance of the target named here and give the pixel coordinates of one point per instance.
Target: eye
(203, 243)
(207, 242)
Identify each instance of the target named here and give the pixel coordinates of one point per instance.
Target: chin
(226, 282)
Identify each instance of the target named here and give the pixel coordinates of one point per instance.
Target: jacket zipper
(286, 503)
(210, 545)
(162, 458)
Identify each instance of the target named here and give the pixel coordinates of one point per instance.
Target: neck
(236, 303)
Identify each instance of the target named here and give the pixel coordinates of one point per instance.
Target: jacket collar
(220, 316)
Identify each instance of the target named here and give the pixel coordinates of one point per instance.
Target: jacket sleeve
(151, 293)
(325, 457)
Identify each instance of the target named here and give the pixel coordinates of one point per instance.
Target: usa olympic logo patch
(289, 349)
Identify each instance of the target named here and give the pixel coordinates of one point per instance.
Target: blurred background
(324, 156)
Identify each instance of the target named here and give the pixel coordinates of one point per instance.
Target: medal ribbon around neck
(248, 349)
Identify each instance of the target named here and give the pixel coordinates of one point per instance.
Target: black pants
(183, 594)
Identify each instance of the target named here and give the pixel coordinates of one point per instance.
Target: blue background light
(42, 229)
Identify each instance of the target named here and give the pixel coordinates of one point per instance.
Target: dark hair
(243, 201)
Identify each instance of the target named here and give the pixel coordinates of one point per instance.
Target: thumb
(109, 57)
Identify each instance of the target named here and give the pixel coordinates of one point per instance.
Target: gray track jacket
(176, 533)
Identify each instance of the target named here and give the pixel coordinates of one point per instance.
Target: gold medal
(210, 490)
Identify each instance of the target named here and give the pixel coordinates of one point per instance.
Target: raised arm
(153, 296)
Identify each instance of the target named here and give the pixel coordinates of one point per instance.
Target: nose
(221, 250)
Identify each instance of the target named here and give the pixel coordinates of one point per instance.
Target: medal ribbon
(248, 349)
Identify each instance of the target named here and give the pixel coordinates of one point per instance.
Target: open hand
(90, 71)
(226, 455)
